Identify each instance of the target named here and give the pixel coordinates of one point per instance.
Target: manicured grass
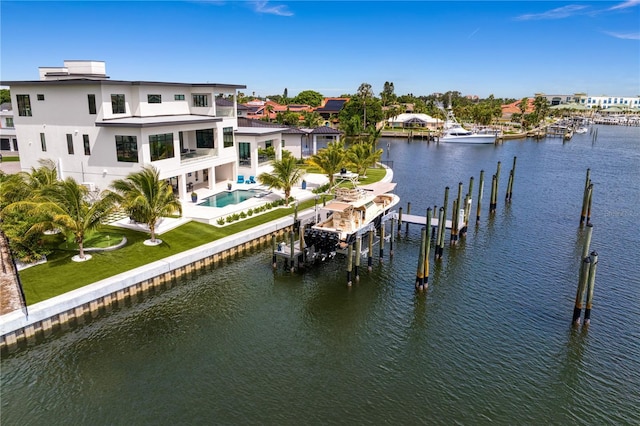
(60, 274)
(10, 159)
(96, 239)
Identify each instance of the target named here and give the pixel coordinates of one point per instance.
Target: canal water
(489, 342)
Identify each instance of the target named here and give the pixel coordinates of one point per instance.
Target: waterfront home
(8, 138)
(97, 129)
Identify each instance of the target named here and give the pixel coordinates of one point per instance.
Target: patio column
(182, 186)
(279, 149)
(315, 145)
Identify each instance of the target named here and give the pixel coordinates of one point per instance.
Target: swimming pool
(229, 197)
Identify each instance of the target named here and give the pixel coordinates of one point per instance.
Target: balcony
(189, 155)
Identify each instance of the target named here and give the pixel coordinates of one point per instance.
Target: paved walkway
(10, 167)
(10, 300)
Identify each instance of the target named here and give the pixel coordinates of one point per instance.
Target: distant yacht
(455, 133)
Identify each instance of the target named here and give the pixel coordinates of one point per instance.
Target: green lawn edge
(60, 274)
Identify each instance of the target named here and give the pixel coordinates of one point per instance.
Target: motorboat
(353, 211)
(581, 130)
(454, 132)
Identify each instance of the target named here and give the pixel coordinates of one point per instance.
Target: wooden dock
(422, 220)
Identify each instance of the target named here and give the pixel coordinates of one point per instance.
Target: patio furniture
(240, 178)
(251, 179)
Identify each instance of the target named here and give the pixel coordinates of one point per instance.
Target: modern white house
(97, 130)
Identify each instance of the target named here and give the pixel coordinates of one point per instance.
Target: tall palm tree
(65, 205)
(330, 159)
(286, 173)
(146, 197)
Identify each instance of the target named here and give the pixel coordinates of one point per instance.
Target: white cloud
(626, 4)
(558, 13)
(624, 36)
(265, 7)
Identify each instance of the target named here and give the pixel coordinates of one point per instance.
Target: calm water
(490, 342)
(229, 197)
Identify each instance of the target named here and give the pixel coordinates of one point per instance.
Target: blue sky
(506, 48)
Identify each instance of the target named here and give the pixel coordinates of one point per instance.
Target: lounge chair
(240, 178)
(251, 179)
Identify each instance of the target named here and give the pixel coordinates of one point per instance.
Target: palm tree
(364, 154)
(285, 174)
(330, 159)
(146, 197)
(65, 205)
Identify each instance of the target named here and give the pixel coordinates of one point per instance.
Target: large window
(92, 103)
(24, 105)
(200, 100)
(43, 142)
(117, 104)
(244, 153)
(154, 99)
(204, 138)
(70, 143)
(227, 137)
(179, 97)
(127, 149)
(161, 146)
(9, 121)
(87, 146)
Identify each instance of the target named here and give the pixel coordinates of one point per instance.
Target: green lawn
(60, 274)
(10, 159)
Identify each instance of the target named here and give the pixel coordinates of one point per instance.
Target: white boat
(353, 212)
(454, 132)
(581, 130)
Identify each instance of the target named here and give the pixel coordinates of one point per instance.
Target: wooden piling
(590, 285)
(370, 252)
(454, 224)
(498, 176)
(273, 249)
(392, 234)
(494, 189)
(356, 269)
(301, 242)
(480, 191)
(507, 196)
(513, 176)
(441, 226)
(420, 272)
(590, 199)
(427, 249)
(582, 284)
(381, 241)
(585, 196)
(399, 220)
(408, 212)
(292, 240)
(349, 264)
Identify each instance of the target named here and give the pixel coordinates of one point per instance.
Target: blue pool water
(230, 197)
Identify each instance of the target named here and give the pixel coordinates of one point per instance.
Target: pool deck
(205, 214)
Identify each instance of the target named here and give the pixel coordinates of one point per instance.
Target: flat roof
(259, 131)
(157, 121)
(102, 80)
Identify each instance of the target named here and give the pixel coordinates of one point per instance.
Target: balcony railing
(195, 154)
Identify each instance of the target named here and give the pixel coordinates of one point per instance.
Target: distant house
(8, 137)
(405, 120)
(329, 110)
(514, 108)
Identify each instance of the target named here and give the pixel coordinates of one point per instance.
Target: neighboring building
(300, 142)
(415, 120)
(8, 138)
(514, 108)
(97, 130)
(599, 102)
(329, 110)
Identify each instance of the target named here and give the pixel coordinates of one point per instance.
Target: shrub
(236, 216)
(229, 219)
(268, 206)
(221, 221)
(250, 213)
(243, 215)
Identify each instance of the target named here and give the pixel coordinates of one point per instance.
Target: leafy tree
(146, 197)
(288, 118)
(524, 102)
(25, 186)
(65, 206)
(286, 173)
(5, 96)
(330, 159)
(387, 95)
(364, 154)
(355, 108)
(311, 119)
(541, 108)
(308, 97)
(351, 126)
